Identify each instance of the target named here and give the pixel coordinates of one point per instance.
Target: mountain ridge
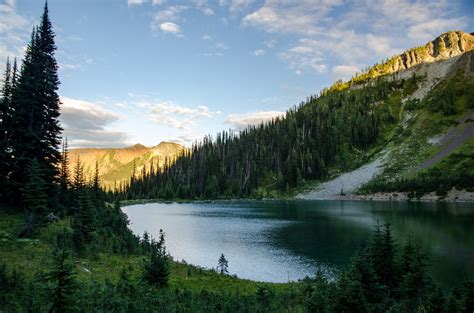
(116, 165)
(444, 47)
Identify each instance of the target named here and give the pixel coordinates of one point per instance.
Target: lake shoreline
(453, 196)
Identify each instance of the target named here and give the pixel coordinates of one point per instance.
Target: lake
(277, 241)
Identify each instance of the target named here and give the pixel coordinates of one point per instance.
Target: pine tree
(5, 105)
(34, 191)
(156, 269)
(85, 217)
(62, 276)
(78, 181)
(35, 125)
(64, 169)
(96, 182)
(223, 265)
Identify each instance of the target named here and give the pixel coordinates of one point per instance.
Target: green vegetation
(443, 108)
(76, 253)
(454, 171)
(29, 118)
(334, 132)
(46, 273)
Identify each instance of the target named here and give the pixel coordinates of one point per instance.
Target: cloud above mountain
(243, 120)
(87, 124)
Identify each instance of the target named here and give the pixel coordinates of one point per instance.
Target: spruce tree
(34, 192)
(86, 214)
(156, 269)
(223, 265)
(62, 276)
(35, 125)
(64, 169)
(5, 104)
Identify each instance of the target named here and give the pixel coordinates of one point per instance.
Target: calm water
(280, 240)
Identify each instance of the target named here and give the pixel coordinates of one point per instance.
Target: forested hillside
(330, 133)
(116, 166)
(322, 133)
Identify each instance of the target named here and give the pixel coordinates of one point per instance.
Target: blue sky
(153, 70)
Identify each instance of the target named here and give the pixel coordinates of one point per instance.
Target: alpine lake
(281, 241)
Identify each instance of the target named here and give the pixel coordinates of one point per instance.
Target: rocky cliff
(445, 46)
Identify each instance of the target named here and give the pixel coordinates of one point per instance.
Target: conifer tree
(78, 181)
(35, 124)
(62, 276)
(156, 269)
(223, 264)
(5, 104)
(34, 191)
(64, 170)
(86, 214)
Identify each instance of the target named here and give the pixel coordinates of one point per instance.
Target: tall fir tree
(64, 283)
(156, 269)
(35, 102)
(34, 191)
(5, 104)
(64, 168)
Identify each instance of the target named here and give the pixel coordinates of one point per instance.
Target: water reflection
(271, 240)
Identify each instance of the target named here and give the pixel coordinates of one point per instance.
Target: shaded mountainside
(116, 165)
(388, 117)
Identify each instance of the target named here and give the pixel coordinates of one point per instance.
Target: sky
(146, 71)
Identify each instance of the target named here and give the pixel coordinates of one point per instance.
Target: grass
(32, 255)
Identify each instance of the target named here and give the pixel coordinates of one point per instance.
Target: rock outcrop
(446, 46)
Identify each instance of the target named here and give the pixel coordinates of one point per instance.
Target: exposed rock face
(117, 165)
(445, 46)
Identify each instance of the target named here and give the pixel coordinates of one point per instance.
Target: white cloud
(381, 45)
(171, 13)
(258, 52)
(222, 46)
(426, 30)
(240, 5)
(270, 43)
(344, 71)
(203, 6)
(357, 32)
(285, 16)
(158, 2)
(208, 11)
(241, 121)
(86, 124)
(14, 31)
(169, 27)
(171, 114)
(135, 2)
(206, 37)
(305, 57)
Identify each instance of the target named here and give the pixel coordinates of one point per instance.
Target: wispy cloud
(164, 20)
(14, 31)
(135, 2)
(258, 52)
(328, 31)
(170, 27)
(176, 116)
(241, 121)
(344, 71)
(86, 124)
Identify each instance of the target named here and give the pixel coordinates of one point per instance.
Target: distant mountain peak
(117, 164)
(137, 146)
